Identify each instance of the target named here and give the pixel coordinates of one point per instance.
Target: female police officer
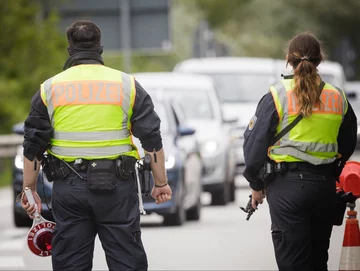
(306, 160)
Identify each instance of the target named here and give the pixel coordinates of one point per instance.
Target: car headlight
(209, 148)
(170, 162)
(19, 158)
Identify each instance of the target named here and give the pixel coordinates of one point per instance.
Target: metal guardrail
(9, 144)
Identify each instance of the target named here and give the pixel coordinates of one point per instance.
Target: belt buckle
(79, 164)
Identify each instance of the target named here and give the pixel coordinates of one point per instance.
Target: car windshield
(161, 112)
(195, 103)
(328, 78)
(332, 79)
(242, 87)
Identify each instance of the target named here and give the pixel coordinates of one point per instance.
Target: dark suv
(21, 219)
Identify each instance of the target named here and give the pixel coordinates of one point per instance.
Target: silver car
(240, 82)
(197, 96)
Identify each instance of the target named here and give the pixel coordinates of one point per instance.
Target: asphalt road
(221, 240)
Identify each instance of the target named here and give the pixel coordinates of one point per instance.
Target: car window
(179, 113)
(161, 112)
(242, 87)
(195, 104)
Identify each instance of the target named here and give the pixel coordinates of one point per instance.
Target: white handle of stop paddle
(31, 200)
(141, 204)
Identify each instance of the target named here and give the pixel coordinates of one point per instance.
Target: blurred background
(206, 64)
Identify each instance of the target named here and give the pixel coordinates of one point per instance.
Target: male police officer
(84, 118)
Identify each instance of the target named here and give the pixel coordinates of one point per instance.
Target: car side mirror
(351, 94)
(185, 131)
(18, 129)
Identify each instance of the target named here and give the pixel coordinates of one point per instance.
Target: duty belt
(283, 167)
(55, 168)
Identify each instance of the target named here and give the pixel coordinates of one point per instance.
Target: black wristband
(161, 185)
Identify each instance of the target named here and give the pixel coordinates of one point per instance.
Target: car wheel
(221, 196)
(179, 217)
(232, 193)
(176, 219)
(194, 212)
(21, 221)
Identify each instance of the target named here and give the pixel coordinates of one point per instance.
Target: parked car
(44, 188)
(198, 98)
(331, 72)
(240, 83)
(352, 89)
(183, 168)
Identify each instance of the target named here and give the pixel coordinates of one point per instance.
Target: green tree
(32, 51)
(262, 27)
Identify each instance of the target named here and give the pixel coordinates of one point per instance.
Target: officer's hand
(257, 197)
(161, 194)
(30, 209)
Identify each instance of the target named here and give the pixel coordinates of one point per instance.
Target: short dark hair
(84, 34)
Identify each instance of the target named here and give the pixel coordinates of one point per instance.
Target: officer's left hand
(257, 197)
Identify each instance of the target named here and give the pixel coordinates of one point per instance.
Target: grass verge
(5, 171)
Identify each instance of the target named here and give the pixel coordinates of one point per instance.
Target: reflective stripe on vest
(287, 148)
(90, 152)
(91, 136)
(69, 95)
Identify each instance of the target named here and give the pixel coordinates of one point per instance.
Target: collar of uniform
(83, 57)
(287, 76)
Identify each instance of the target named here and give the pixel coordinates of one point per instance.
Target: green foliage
(220, 12)
(143, 63)
(6, 171)
(262, 27)
(32, 51)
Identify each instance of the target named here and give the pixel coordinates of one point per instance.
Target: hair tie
(305, 58)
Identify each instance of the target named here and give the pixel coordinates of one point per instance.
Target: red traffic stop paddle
(40, 234)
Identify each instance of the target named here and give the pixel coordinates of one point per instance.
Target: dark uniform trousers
(301, 209)
(80, 214)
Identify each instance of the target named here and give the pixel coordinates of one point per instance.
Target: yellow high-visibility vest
(313, 139)
(90, 107)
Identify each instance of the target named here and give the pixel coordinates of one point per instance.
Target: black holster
(125, 166)
(144, 170)
(54, 168)
(267, 172)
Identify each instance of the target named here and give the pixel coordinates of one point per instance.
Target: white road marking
(12, 262)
